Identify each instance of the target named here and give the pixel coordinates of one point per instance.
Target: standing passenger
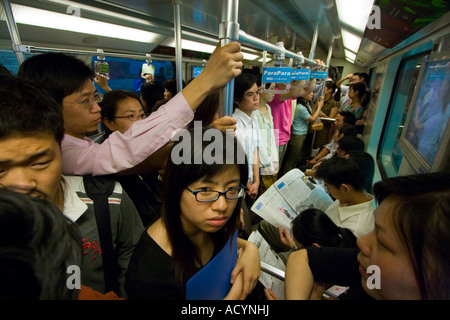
(268, 151)
(200, 214)
(302, 119)
(31, 130)
(70, 82)
(246, 100)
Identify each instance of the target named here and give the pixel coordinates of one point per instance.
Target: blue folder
(212, 282)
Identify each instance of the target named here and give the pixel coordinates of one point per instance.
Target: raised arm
(121, 152)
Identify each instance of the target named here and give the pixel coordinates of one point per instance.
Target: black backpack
(99, 188)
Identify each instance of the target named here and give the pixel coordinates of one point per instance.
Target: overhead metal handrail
(267, 46)
(36, 49)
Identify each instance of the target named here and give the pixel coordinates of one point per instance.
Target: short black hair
(242, 83)
(360, 88)
(37, 245)
(349, 117)
(26, 109)
(338, 171)
(60, 74)
(348, 130)
(351, 144)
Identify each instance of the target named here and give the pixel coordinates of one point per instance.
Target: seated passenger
(70, 82)
(31, 130)
(200, 213)
(312, 227)
(402, 258)
(366, 164)
(353, 104)
(353, 206)
(349, 145)
(341, 118)
(120, 109)
(329, 150)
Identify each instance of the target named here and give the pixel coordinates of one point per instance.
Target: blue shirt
(300, 124)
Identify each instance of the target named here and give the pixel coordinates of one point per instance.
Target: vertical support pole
(13, 31)
(178, 46)
(228, 32)
(330, 53)
(312, 52)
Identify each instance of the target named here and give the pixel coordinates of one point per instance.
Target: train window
(9, 61)
(125, 73)
(390, 155)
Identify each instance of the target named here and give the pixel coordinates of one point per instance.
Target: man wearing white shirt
(246, 100)
(353, 207)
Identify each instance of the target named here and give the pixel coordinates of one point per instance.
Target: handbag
(316, 125)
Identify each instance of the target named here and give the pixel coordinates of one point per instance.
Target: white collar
(73, 206)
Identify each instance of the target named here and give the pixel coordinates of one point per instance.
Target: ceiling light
(351, 41)
(354, 13)
(350, 55)
(47, 19)
(350, 60)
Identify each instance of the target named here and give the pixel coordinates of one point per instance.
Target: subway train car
(402, 46)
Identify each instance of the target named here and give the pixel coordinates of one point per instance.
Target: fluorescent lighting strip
(354, 13)
(47, 19)
(350, 55)
(350, 40)
(350, 60)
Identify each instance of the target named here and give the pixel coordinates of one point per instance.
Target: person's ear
(316, 245)
(346, 188)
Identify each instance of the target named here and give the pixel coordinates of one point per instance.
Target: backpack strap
(99, 188)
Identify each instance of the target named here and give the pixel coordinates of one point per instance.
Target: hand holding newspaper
(288, 196)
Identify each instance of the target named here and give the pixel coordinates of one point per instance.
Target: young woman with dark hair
(312, 227)
(201, 210)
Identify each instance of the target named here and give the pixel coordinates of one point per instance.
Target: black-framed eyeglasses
(206, 195)
(134, 117)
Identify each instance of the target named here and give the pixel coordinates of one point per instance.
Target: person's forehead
(88, 89)
(22, 146)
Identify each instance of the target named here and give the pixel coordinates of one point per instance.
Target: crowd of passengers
(90, 180)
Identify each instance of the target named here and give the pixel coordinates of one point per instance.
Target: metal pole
(330, 53)
(315, 35)
(264, 45)
(228, 32)
(13, 31)
(178, 47)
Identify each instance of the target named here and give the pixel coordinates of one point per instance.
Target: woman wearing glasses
(201, 210)
(119, 110)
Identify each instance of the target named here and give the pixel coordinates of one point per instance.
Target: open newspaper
(268, 256)
(288, 196)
